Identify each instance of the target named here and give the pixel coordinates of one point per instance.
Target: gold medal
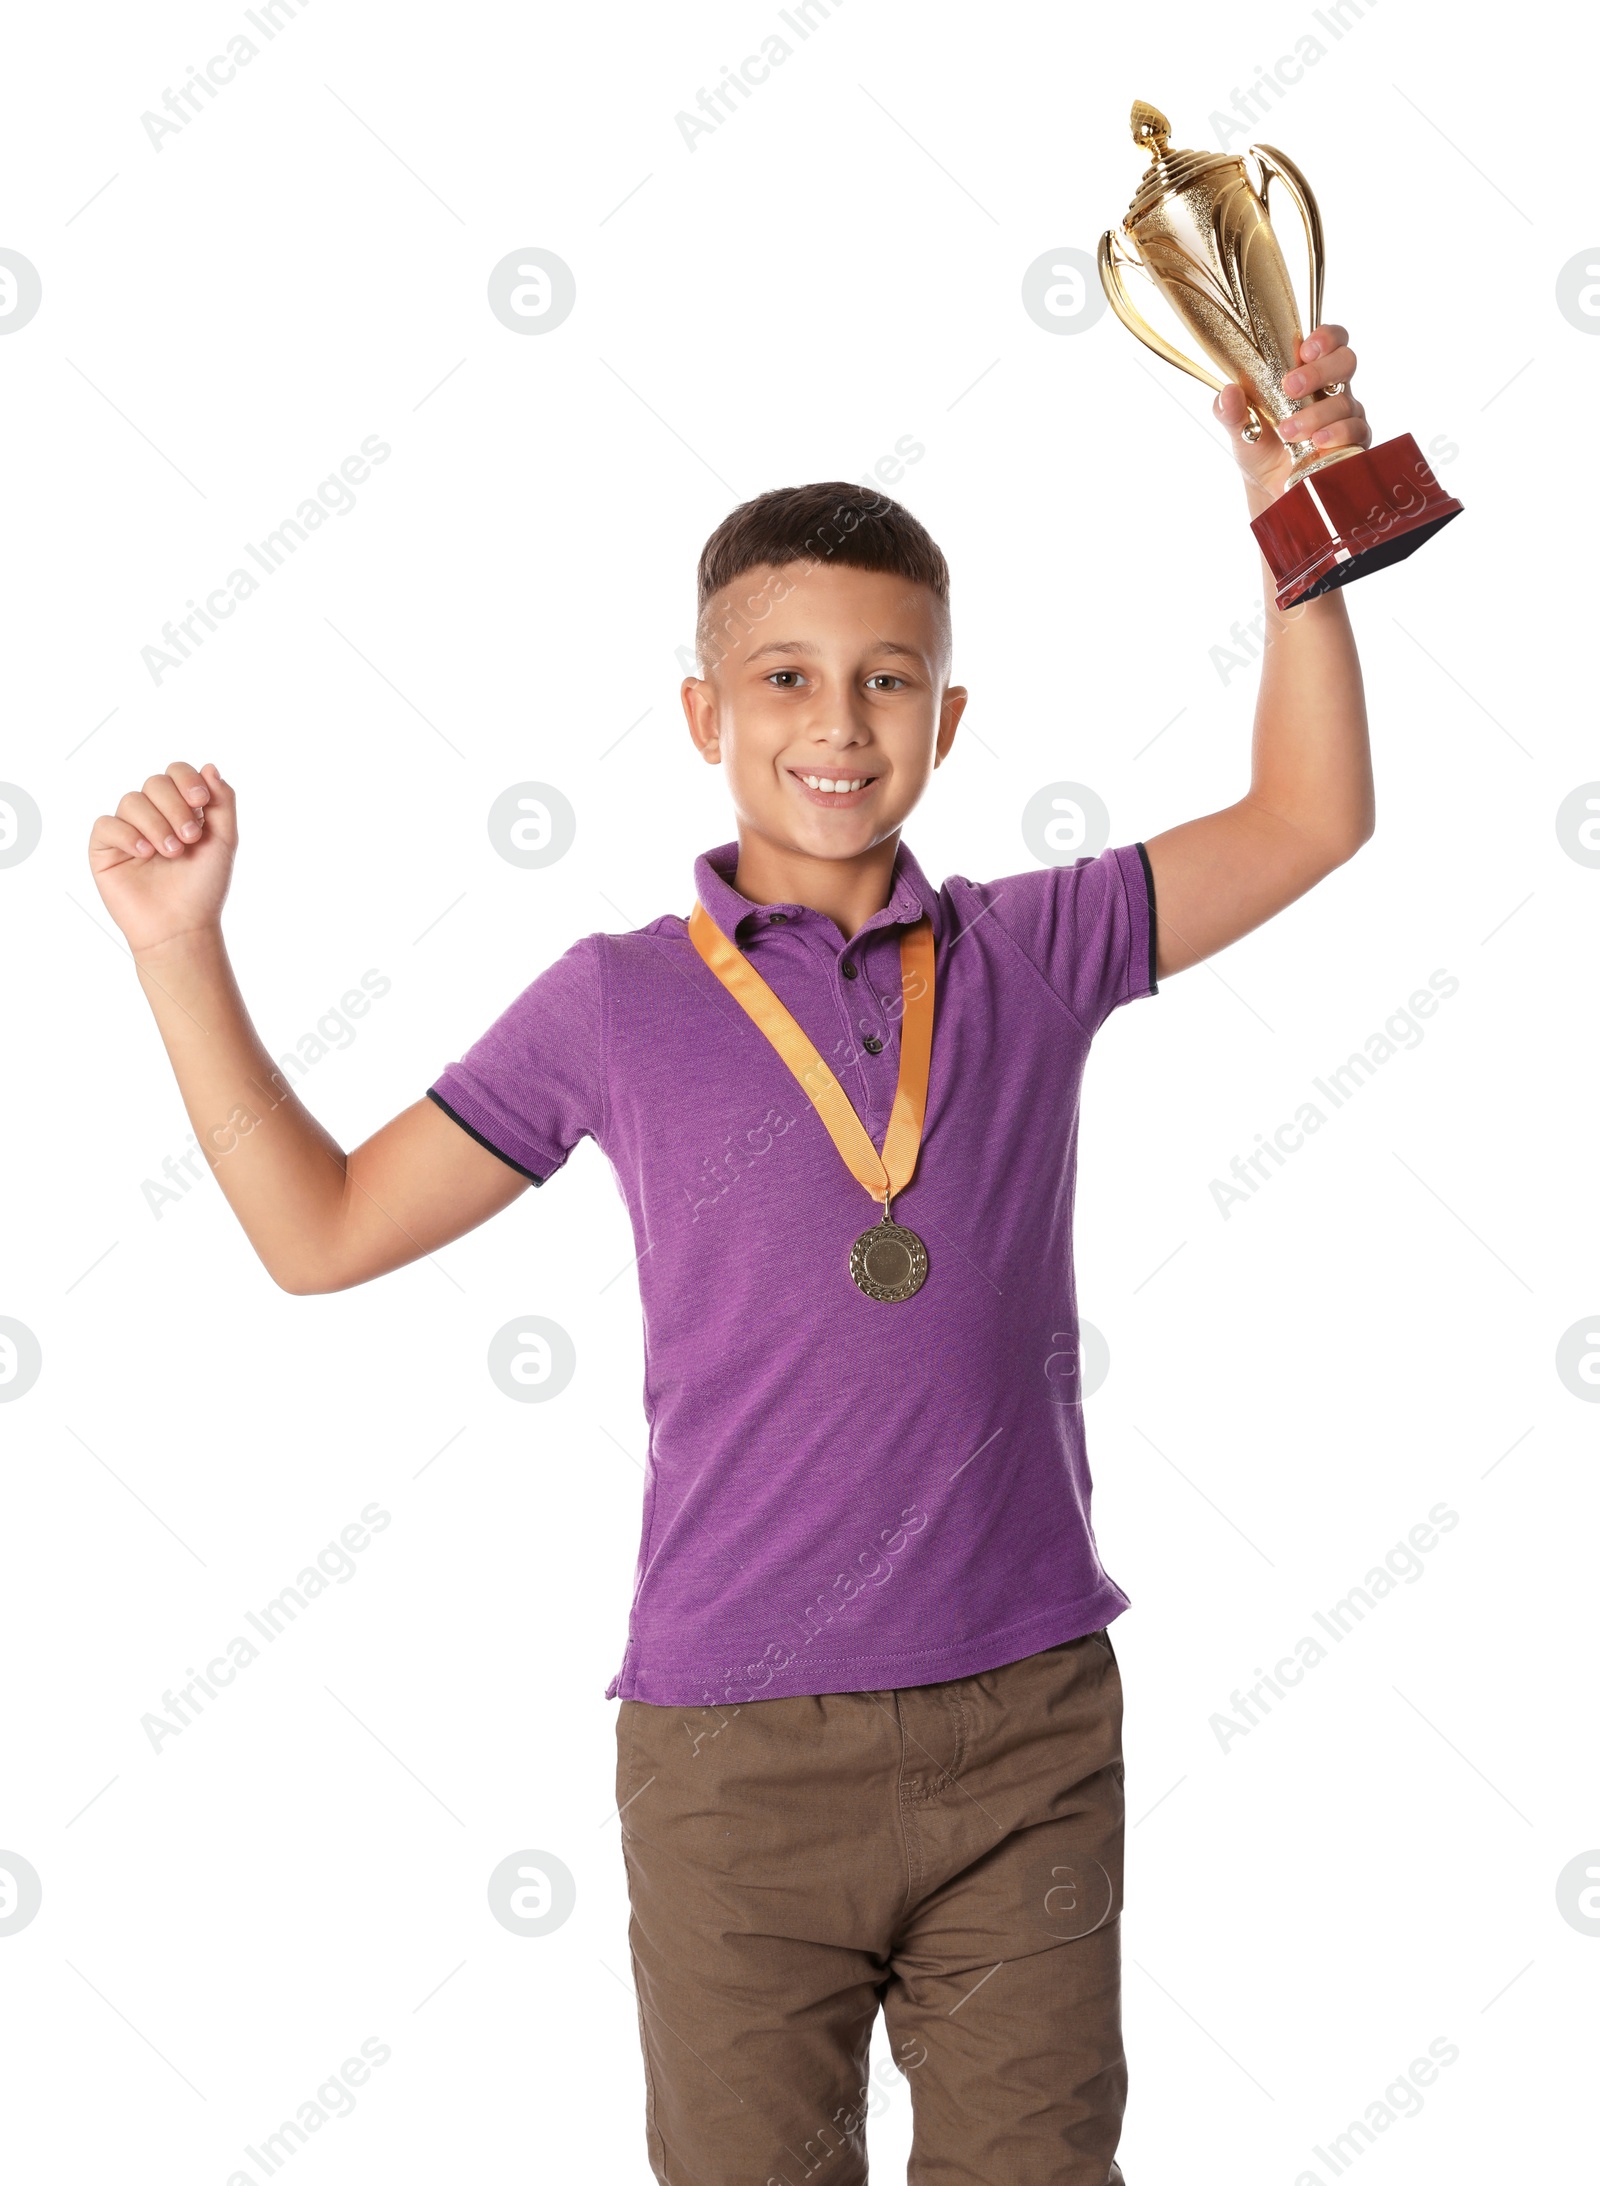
(887, 1262)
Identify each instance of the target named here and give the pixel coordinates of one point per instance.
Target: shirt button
(777, 918)
(872, 1044)
(851, 970)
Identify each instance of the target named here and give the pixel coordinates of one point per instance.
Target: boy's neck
(847, 890)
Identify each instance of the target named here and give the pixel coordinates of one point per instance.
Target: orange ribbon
(882, 1174)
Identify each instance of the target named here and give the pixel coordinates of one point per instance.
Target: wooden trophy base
(1350, 518)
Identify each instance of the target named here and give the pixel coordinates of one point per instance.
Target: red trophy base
(1350, 518)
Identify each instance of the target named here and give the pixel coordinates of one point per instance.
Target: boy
(869, 1742)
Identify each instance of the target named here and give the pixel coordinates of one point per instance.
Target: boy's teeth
(823, 781)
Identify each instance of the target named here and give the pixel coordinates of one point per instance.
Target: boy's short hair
(852, 525)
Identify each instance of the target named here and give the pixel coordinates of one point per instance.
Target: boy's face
(828, 673)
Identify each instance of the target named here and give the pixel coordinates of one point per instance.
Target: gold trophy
(1200, 230)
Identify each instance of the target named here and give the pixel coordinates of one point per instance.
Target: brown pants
(952, 1852)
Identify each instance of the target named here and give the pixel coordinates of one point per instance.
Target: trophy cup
(1199, 229)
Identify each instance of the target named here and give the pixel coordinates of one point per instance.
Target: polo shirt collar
(910, 897)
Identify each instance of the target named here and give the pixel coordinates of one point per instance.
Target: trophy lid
(1150, 126)
(1168, 171)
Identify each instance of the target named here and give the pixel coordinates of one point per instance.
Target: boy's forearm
(1311, 762)
(1309, 806)
(280, 1171)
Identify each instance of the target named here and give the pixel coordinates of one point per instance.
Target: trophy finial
(1150, 128)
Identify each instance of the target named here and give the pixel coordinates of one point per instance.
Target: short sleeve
(1089, 928)
(533, 1085)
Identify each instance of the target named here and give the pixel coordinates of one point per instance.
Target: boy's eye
(885, 679)
(785, 678)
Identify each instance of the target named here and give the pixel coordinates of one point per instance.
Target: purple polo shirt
(841, 1495)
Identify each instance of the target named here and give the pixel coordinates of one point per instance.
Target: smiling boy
(869, 1734)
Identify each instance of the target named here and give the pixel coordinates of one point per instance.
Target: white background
(838, 266)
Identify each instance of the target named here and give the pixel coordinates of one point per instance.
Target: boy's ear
(951, 707)
(700, 711)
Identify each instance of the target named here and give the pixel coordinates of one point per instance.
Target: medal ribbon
(882, 1174)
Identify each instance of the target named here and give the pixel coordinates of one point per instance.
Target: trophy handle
(1276, 166)
(1111, 257)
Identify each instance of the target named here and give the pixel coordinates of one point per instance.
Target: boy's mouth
(832, 789)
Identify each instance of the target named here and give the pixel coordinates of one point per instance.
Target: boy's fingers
(1312, 417)
(189, 782)
(1230, 405)
(1323, 340)
(164, 793)
(222, 812)
(1337, 364)
(1349, 432)
(118, 840)
(151, 821)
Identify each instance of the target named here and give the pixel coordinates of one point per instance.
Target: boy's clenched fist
(162, 862)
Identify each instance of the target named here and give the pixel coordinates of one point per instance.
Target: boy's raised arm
(1309, 806)
(319, 1219)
